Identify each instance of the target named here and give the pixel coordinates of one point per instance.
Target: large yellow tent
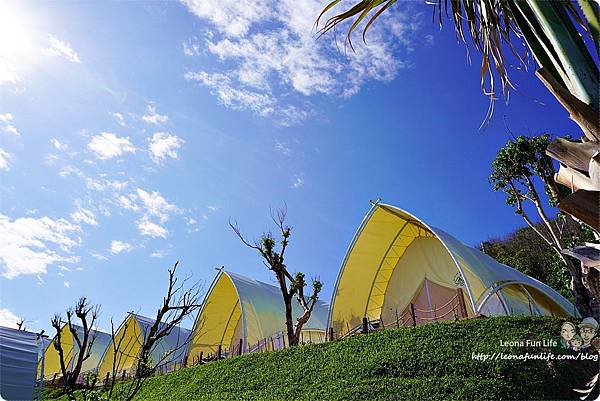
(128, 345)
(400, 271)
(240, 308)
(70, 351)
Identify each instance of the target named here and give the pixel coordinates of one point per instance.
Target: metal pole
(41, 385)
(365, 325)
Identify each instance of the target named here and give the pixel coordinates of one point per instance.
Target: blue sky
(131, 132)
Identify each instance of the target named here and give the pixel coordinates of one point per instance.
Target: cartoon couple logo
(578, 342)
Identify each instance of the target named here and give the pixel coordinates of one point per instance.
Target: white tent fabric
(241, 308)
(18, 363)
(396, 263)
(174, 344)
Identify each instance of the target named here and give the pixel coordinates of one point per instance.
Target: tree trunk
(289, 321)
(590, 279)
(579, 290)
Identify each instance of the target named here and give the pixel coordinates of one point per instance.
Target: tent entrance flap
(432, 302)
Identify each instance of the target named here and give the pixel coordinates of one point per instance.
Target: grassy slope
(427, 362)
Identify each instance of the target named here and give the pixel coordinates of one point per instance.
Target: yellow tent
(70, 350)
(400, 271)
(240, 308)
(128, 343)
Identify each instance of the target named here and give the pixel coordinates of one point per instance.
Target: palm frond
(493, 27)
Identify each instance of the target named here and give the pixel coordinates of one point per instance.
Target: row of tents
(397, 271)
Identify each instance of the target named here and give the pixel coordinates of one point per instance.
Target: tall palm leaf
(550, 30)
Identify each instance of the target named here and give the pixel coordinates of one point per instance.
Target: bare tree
(290, 285)
(177, 304)
(83, 335)
(118, 353)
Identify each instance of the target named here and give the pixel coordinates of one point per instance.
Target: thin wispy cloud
(101, 185)
(58, 145)
(67, 171)
(269, 51)
(153, 117)
(107, 145)
(8, 127)
(58, 48)
(119, 118)
(150, 229)
(5, 158)
(164, 145)
(282, 148)
(159, 253)
(298, 182)
(191, 47)
(86, 216)
(117, 247)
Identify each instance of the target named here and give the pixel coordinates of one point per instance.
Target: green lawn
(428, 362)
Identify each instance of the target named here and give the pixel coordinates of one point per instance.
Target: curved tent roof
(70, 349)
(395, 260)
(238, 307)
(129, 339)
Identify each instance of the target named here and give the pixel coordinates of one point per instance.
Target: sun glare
(17, 48)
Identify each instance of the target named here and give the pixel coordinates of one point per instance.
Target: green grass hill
(427, 362)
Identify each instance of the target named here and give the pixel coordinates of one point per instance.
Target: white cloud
(153, 117)
(86, 216)
(58, 48)
(191, 221)
(151, 229)
(163, 145)
(11, 129)
(282, 148)
(221, 86)
(64, 268)
(104, 184)
(119, 118)
(107, 145)
(231, 16)
(128, 202)
(213, 208)
(117, 247)
(298, 182)
(4, 159)
(159, 253)
(8, 318)
(269, 51)
(191, 47)
(29, 245)
(67, 171)
(6, 117)
(67, 284)
(156, 205)
(61, 49)
(58, 144)
(50, 159)
(98, 256)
